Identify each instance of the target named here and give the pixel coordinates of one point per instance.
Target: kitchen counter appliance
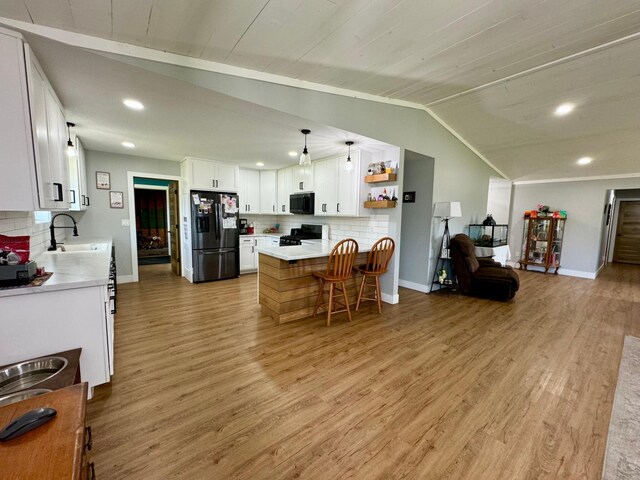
(12, 275)
(305, 232)
(215, 238)
(302, 203)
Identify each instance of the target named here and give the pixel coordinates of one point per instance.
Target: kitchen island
(287, 289)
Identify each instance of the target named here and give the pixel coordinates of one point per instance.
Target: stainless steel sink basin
(21, 376)
(23, 395)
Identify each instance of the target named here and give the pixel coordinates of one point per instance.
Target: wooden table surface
(53, 450)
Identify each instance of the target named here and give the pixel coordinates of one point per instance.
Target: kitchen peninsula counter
(287, 289)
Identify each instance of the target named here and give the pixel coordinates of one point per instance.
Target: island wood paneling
(288, 291)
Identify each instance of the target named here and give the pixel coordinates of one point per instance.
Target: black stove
(306, 232)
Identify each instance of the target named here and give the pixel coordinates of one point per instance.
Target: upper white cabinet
(268, 192)
(210, 175)
(302, 180)
(337, 191)
(285, 181)
(78, 179)
(32, 133)
(249, 191)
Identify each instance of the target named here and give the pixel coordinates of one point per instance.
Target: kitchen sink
(21, 376)
(82, 248)
(23, 395)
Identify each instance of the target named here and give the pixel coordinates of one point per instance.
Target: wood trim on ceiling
(578, 179)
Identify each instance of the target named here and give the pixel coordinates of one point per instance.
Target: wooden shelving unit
(382, 177)
(380, 204)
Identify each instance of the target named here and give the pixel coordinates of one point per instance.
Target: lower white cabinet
(34, 325)
(247, 254)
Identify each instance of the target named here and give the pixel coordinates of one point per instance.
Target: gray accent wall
(584, 202)
(103, 221)
(416, 220)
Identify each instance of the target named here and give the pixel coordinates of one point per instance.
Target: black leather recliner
(481, 277)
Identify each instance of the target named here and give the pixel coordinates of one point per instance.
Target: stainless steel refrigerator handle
(219, 220)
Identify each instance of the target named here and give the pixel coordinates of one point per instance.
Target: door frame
(132, 213)
(167, 212)
(614, 230)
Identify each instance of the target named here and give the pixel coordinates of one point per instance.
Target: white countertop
(70, 269)
(251, 235)
(308, 249)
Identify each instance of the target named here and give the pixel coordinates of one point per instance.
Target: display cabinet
(489, 235)
(542, 242)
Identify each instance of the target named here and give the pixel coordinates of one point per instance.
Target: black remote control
(27, 422)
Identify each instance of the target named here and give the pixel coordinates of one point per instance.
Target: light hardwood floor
(437, 387)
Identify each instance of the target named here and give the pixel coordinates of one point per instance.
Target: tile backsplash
(365, 228)
(23, 223)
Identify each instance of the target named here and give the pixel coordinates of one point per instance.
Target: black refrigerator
(215, 240)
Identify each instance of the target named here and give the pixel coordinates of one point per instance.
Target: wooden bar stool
(377, 262)
(339, 269)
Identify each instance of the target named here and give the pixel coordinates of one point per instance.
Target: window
(42, 217)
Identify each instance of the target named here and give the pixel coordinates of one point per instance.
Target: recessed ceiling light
(133, 104)
(260, 164)
(128, 145)
(293, 154)
(584, 160)
(564, 109)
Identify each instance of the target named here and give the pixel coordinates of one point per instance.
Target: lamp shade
(447, 210)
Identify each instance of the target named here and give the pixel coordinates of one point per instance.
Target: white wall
(584, 202)
(499, 199)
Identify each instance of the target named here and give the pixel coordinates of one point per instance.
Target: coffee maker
(243, 226)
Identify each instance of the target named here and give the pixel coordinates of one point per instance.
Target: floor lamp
(445, 210)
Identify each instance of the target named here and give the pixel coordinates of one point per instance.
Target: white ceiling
(421, 52)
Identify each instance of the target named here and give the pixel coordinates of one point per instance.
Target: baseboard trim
(392, 299)
(599, 270)
(564, 271)
(414, 286)
(125, 278)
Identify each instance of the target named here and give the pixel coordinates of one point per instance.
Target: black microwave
(302, 203)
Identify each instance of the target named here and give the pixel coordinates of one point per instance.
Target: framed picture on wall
(103, 180)
(116, 199)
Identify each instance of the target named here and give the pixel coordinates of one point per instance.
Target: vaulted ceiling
(494, 70)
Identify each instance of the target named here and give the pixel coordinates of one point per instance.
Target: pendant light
(71, 151)
(349, 165)
(305, 158)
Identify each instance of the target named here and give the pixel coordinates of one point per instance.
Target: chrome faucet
(52, 229)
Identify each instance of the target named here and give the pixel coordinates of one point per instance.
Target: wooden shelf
(382, 177)
(380, 204)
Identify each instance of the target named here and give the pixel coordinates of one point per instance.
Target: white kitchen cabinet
(32, 129)
(302, 180)
(272, 242)
(249, 191)
(269, 192)
(201, 174)
(247, 254)
(79, 200)
(337, 191)
(285, 179)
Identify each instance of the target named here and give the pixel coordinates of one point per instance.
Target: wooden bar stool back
(339, 269)
(377, 263)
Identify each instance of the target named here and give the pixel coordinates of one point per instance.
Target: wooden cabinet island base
(287, 289)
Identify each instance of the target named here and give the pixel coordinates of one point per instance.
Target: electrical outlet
(126, 222)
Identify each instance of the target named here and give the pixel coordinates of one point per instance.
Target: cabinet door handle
(274, 208)
(88, 202)
(301, 185)
(213, 183)
(92, 469)
(253, 250)
(84, 200)
(338, 208)
(283, 208)
(89, 444)
(217, 184)
(74, 196)
(59, 188)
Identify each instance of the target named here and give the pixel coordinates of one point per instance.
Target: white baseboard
(124, 278)
(414, 286)
(599, 270)
(564, 271)
(392, 299)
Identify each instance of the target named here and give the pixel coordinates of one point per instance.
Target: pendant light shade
(305, 158)
(71, 151)
(348, 166)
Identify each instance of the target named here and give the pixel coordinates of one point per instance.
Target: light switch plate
(126, 222)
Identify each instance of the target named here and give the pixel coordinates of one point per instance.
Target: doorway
(155, 226)
(627, 239)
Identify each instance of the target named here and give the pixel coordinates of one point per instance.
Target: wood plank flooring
(438, 387)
